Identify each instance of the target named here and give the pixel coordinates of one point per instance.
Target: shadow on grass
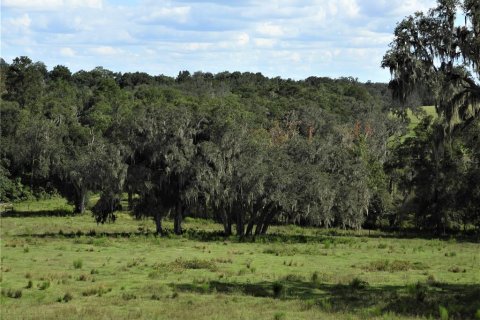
(461, 301)
(33, 214)
(215, 236)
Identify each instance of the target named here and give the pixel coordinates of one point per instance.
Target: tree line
(249, 151)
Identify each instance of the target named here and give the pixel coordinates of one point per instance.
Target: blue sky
(287, 38)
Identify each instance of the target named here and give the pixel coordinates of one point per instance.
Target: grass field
(58, 266)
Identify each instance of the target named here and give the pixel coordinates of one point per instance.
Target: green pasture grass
(416, 118)
(68, 267)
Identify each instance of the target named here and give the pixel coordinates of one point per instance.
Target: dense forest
(240, 148)
(248, 150)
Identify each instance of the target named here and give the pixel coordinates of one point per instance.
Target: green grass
(76, 269)
(416, 118)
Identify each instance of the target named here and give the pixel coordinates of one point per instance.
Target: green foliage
(358, 284)
(238, 148)
(44, 285)
(11, 293)
(77, 263)
(443, 312)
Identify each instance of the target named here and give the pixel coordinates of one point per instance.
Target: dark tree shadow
(420, 300)
(41, 213)
(215, 236)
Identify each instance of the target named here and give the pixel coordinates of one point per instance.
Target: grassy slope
(294, 274)
(415, 119)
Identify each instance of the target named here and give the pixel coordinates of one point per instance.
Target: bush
(457, 269)
(82, 277)
(29, 284)
(67, 297)
(15, 294)
(358, 284)
(279, 316)
(389, 266)
(128, 296)
(443, 313)
(194, 263)
(99, 291)
(418, 291)
(77, 264)
(44, 285)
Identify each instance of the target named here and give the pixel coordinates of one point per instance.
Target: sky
(287, 38)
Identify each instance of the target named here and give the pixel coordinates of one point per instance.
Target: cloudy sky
(287, 38)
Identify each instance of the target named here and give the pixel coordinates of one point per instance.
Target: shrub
(11, 293)
(67, 297)
(82, 277)
(358, 284)
(386, 265)
(418, 291)
(477, 314)
(99, 291)
(457, 269)
(44, 285)
(29, 284)
(324, 304)
(77, 264)
(94, 271)
(293, 277)
(194, 263)
(279, 316)
(431, 281)
(443, 313)
(128, 296)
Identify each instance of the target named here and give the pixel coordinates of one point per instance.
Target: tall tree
(430, 51)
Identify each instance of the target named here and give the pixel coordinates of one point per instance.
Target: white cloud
(319, 37)
(23, 21)
(179, 14)
(67, 52)
(264, 42)
(243, 39)
(407, 7)
(349, 7)
(52, 4)
(106, 50)
(194, 46)
(270, 29)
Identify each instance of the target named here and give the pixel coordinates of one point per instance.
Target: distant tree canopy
(243, 149)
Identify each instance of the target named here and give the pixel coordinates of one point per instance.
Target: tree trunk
(80, 200)
(250, 225)
(227, 226)
(267, 221)
(158, 223)
(177, 223)
(240, 224)
(130, 200)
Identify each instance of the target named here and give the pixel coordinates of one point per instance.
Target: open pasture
(59, 266)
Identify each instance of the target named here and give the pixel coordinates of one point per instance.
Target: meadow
(56, 265)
